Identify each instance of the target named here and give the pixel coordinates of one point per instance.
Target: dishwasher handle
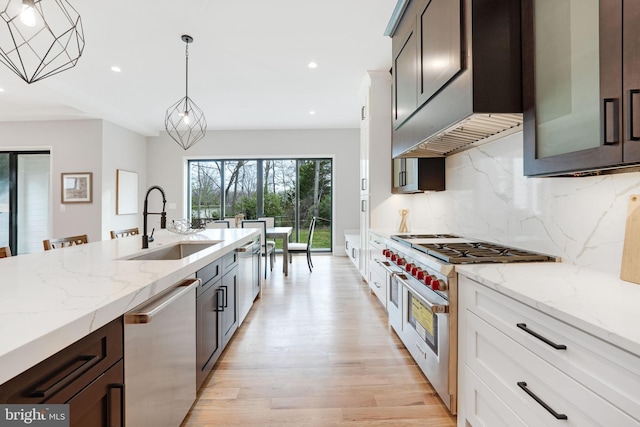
(147, 313)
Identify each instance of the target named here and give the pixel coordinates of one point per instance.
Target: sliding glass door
(24, 200)
(292, 191)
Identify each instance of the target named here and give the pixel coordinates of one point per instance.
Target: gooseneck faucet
(146, 213)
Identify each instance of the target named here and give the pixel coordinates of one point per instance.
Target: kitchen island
(52, 299)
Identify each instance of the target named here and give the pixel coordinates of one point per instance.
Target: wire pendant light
(39, 38)
(185, 122)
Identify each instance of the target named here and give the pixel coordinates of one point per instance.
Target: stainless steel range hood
(476, 129)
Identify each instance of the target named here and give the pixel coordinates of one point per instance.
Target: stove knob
(409, 267)
(401, 261)
(438, 285)
(414, 270)
(385, 252)
(427, 279)
(393, 257)
(420, 274)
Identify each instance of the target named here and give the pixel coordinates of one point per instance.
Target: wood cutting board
(630, 270)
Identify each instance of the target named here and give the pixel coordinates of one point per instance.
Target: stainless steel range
(422, 297)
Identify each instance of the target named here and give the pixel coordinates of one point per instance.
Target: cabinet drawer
(376, 242)
(485, 408)
(509, 369)
(61, 376)
(209, 274)
(378, 284)
(608, 370)
(229, 262)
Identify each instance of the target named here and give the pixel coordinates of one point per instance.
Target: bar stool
(64, 242)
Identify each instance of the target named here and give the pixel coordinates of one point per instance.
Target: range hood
(476, 129)
(480, 99)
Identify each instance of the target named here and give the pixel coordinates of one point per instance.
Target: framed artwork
(77, 187)
(126, 192)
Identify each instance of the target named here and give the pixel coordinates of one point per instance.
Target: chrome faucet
(145, 213)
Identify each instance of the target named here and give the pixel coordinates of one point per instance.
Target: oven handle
(434, 307)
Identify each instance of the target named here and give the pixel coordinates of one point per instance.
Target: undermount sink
(173, 252)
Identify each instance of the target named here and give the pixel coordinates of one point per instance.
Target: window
(292, 191)
(24, 200)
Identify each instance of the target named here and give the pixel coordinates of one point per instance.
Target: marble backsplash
(581, 220)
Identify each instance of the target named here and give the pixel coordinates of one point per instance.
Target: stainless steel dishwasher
(248, 275)
(160, 358)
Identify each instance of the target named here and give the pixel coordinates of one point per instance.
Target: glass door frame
(13, 192)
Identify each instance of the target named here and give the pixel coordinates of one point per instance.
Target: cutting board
(630, 270)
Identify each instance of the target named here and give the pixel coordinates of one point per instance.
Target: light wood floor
(316, 351)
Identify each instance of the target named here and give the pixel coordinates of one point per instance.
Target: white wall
(582, 220)
(126, 150)
(83, 146)
(166, 162)
(75, 146)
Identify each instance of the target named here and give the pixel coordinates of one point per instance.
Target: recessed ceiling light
(116, 69)
(1, 90)
(312, 65)
(312, 112)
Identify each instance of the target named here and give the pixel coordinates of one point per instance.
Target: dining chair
(64, 242)
(299, 248)
(125, 233)
(267, 249)
(271, 223)
(219, 223)
(5, 252)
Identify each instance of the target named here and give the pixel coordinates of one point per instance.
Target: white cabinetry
(352, 246)
(519, 366)
(377, 276)
(375, 157)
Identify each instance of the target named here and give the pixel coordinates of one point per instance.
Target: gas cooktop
(478, 252)
(399, 237)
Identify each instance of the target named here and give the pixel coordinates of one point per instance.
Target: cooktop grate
(478, 252)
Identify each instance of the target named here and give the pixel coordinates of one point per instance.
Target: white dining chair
(267, 249)
(299, 248)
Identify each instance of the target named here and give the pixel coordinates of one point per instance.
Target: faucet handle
(150, 239)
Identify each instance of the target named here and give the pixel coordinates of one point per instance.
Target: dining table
(282, 233)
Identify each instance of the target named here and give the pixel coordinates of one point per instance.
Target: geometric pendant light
(39, 38)
(184, 121)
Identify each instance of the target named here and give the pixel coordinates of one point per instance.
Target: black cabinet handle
(547, 341)
(611, 128)
(523, 385)
(218, 307)
(65, 375)
(633, 95)
(115, 404)
(225, 291)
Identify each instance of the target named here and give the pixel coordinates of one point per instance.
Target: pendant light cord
(186, 60)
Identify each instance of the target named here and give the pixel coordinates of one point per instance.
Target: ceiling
(247, 64)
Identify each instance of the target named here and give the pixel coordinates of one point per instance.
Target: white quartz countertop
(596, 302)
(51, 299)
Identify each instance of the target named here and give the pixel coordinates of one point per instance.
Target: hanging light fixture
(40, 38)
(184, 121)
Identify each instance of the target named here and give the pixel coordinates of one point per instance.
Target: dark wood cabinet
(101, 403)
(413, 175)
(454, 60)
(229, 308)
(88, 375)
(581, 87)
(216, 312)
(405, 76)
(208, 330)
(440, 52)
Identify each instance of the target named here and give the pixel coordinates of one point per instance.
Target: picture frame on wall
(77, 187)
(126, 192)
